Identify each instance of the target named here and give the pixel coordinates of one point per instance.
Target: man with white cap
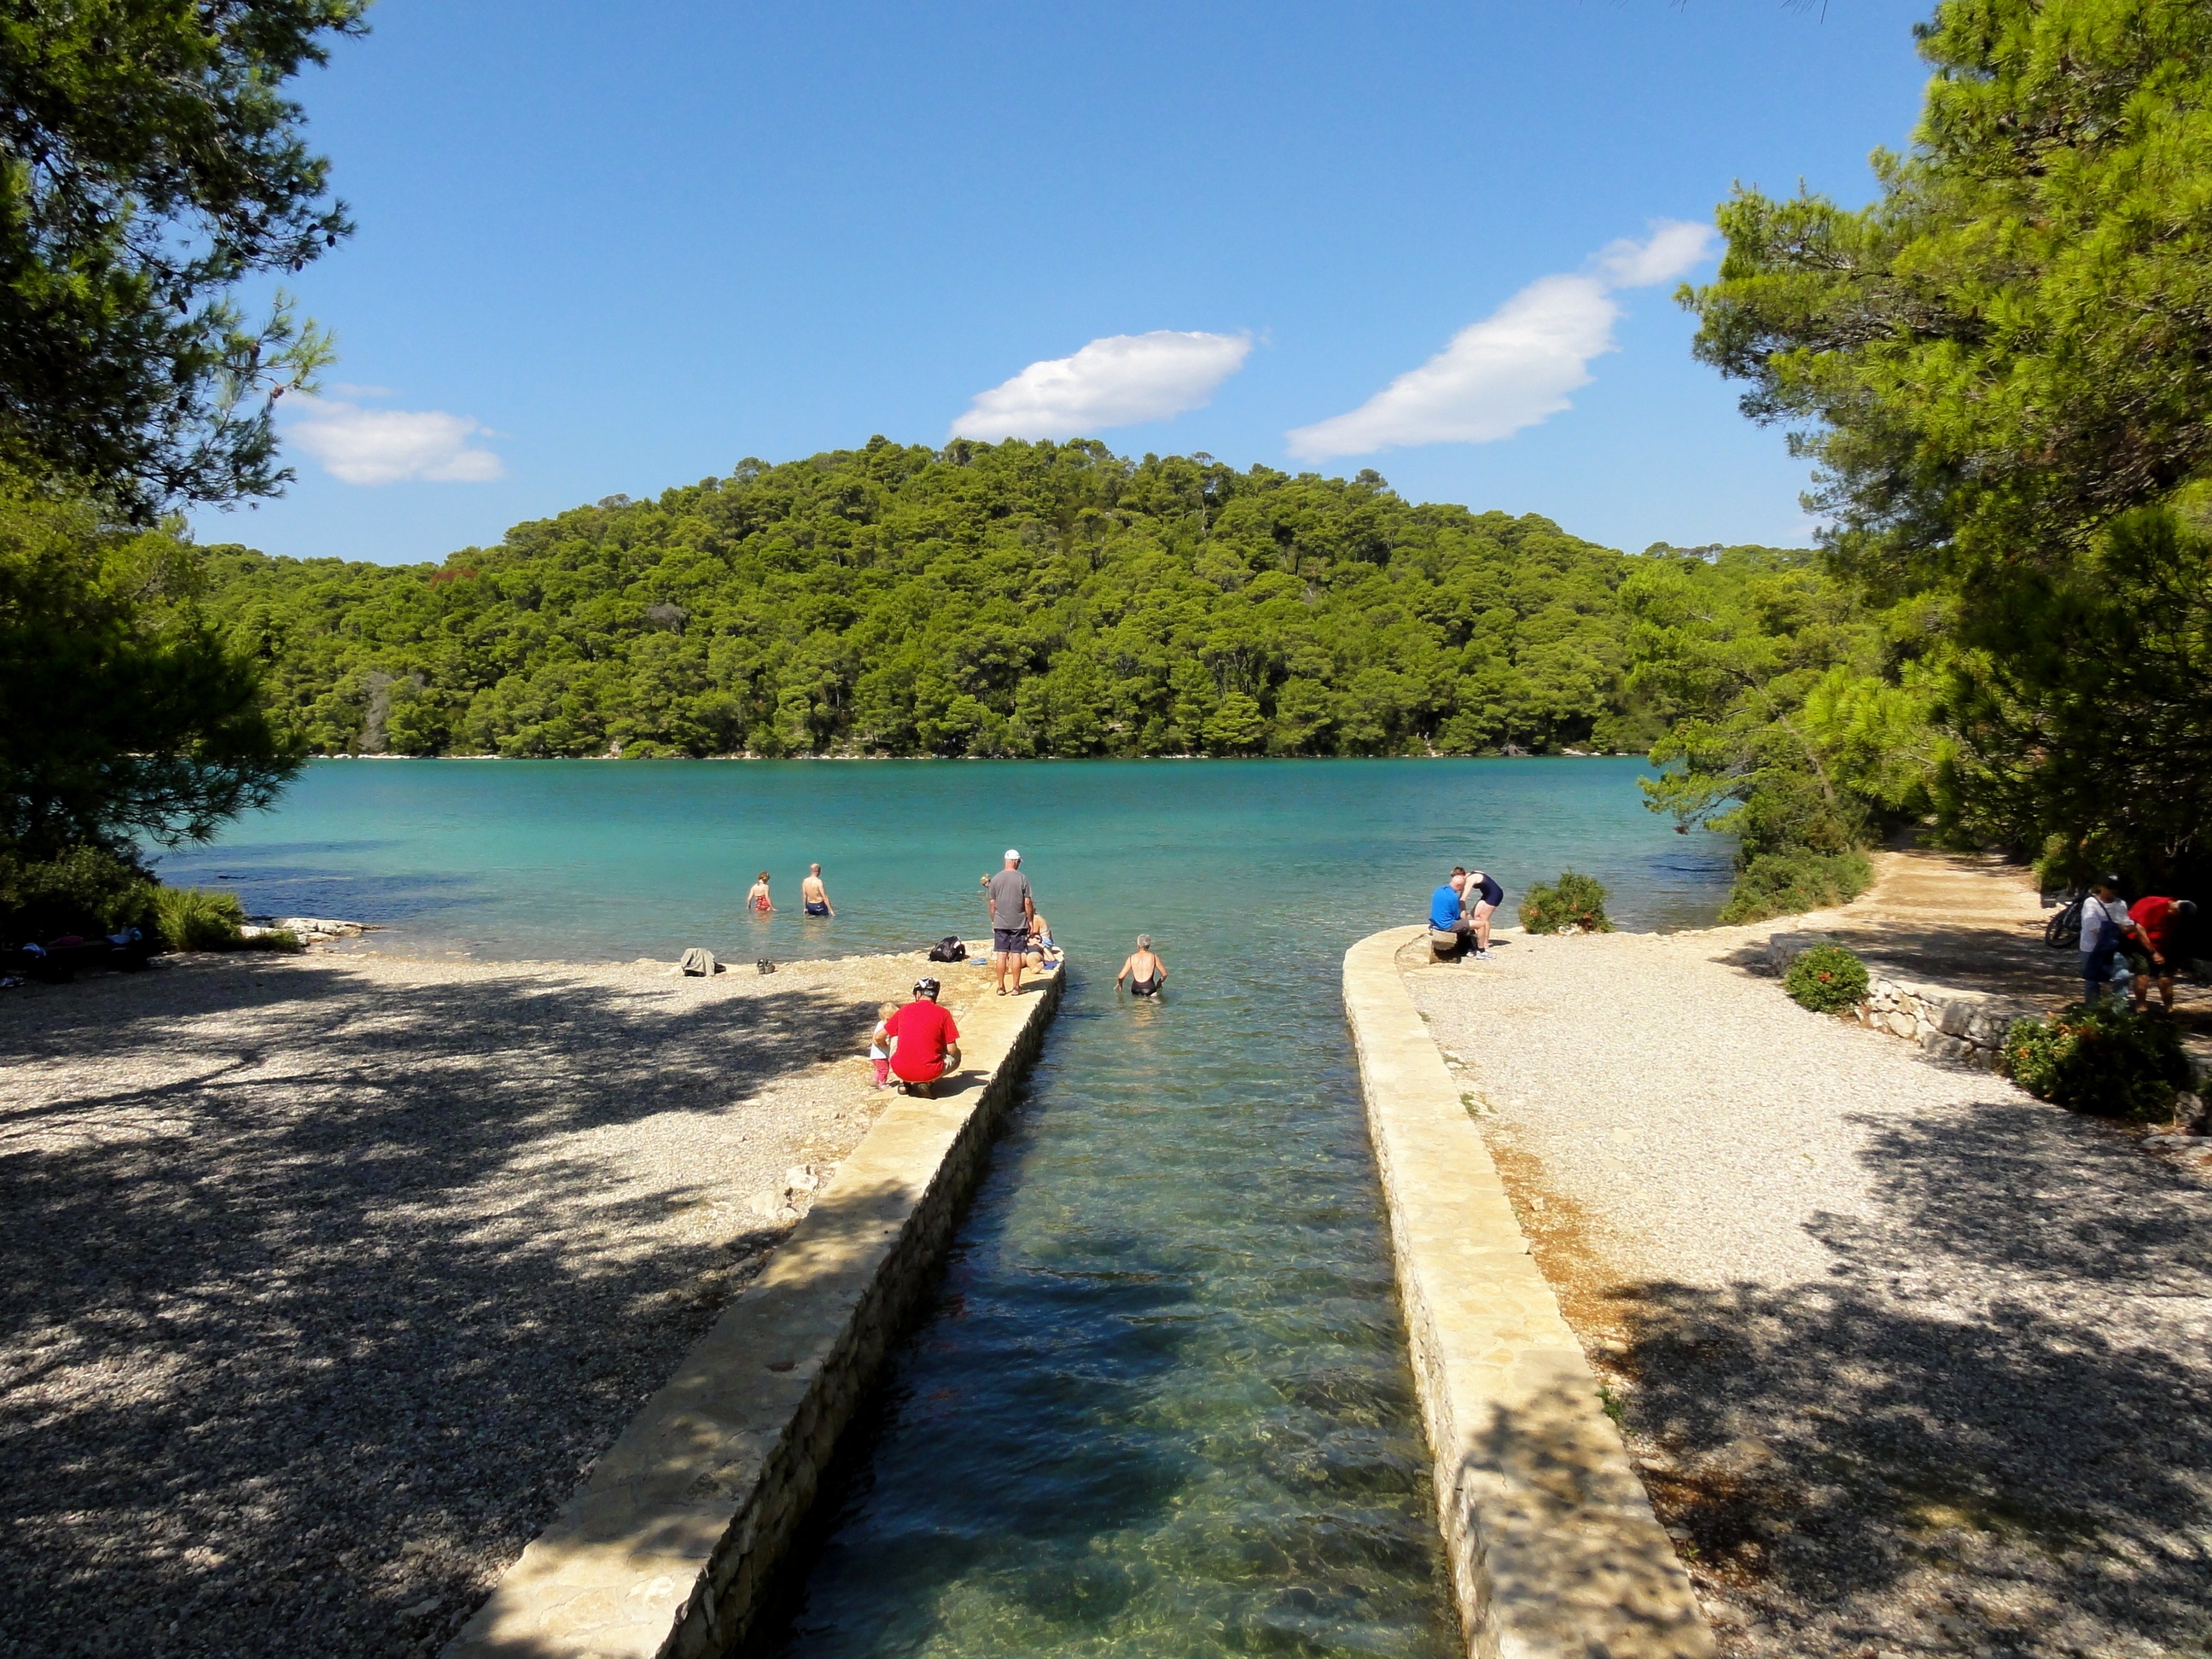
(1011, 908)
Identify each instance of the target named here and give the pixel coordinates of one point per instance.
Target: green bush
(195, 919)
(2101, 1058)
(1787, 883)
(86, 891)
(1828, 979)
(1575, 901)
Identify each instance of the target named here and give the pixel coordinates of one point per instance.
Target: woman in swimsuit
(1146, 973)
(758, 899)
(1043, 952)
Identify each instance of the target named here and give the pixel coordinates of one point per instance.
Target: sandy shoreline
(326, 1276)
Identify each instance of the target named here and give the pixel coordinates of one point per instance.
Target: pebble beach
(1910, 1362)
(327, 1277)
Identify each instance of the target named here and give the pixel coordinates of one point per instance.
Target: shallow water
(1160, 1404)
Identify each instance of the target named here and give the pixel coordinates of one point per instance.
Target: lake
(1159, 1404)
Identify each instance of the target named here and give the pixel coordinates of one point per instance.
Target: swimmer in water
(1146, 973)
(757, 898)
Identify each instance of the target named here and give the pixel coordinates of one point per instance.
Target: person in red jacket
(925, 1041)
(2156, 921)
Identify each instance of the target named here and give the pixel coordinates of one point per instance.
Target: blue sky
(611, 249)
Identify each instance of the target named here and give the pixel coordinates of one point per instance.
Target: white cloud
(1676, 248)
(1115, 381)
(1515, 368)
(359, 445)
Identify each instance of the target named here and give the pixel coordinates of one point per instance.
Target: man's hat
(1012, 855)
(925, 986)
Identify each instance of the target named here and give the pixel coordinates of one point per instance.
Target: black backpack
(949, 949)
(2063, 931)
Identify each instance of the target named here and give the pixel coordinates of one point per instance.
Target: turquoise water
(1159, 1405)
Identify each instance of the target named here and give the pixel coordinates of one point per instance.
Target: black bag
(2063, 931)
(949, 949)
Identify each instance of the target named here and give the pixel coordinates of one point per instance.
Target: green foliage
(1018, 600)
(196, 918)
(1574, 900)
(1828, 979)
(1795, 880)
(2091, 738)
(1795, 720)
(122, 712)
(147, 163)
(2000, 368)
(86, 891)
(2102, 1058)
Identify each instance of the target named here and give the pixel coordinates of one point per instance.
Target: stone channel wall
(668, 1550)
(1554, 1551)
(1947, 1023)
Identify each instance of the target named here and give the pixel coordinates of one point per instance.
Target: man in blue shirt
(1445, 906)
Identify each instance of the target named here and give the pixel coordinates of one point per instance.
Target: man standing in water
(1011, 910)
(814, 894)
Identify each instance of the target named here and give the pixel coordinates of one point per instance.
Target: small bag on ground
(949, 949)
(699, 963)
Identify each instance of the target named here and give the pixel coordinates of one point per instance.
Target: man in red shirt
(925, 1043)
(2152, 919)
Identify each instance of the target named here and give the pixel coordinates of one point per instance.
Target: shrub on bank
(196, 918)
(1573, 901)
(1786, 884)
(2101, 1058)
(1828, 979)
(85, 890)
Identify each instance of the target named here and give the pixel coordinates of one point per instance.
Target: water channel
(1159, 1404)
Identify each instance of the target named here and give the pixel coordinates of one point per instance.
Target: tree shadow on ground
(1992, 1428)
(311, 1317)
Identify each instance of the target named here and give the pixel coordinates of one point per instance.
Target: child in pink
(880, 1045)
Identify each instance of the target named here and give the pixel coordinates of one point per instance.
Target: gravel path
(1912, 1363)
(323, 1278)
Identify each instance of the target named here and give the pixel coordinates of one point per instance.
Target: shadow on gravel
(2004, 1390)
(292, 1355)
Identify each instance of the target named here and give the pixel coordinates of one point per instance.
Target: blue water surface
(1159, 1405)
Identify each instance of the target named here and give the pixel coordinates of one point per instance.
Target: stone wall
(1951, 1024)
(667, 1550)
(1554, 1551)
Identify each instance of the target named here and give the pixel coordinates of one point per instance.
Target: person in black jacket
(1484, 896)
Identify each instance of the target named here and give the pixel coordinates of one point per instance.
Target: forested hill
(1010, 599)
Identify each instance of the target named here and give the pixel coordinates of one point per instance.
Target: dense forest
(1018, 600)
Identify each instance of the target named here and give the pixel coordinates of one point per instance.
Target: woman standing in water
(758, 899)
(1146, 973)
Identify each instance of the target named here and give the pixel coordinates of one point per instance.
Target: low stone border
(666, 1552)
(1555, 1553)
(1949, 1024)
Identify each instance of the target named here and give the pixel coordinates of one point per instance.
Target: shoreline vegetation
(1057, 601)
(1018, 600)
(1433, 754)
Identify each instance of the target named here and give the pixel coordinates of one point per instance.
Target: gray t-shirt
(1008, 889)
(2102, 924)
